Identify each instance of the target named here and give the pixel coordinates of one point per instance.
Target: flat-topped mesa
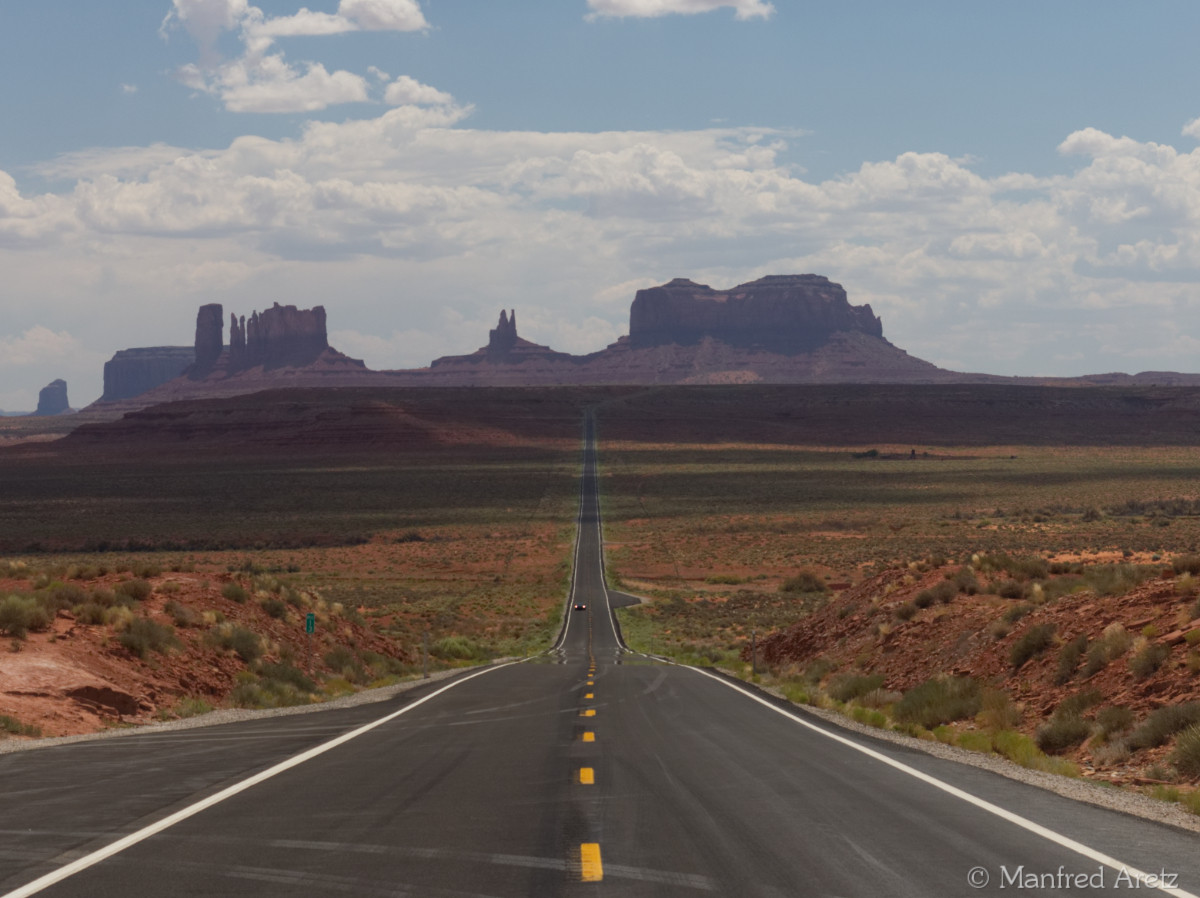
(787, 314)
(132, 372)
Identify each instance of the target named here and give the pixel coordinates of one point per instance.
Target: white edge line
(1024, 823)
(1017, 819)
(141, 835)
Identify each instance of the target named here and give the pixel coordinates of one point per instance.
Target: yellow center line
(590, 695)
(590, 712)
(587, 776)
(589, 736)
(591, 868)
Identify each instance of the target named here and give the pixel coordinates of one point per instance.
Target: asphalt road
(587, 771)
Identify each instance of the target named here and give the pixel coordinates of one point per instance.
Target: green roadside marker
(310, 623)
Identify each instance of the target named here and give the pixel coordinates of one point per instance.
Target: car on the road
(579, 606)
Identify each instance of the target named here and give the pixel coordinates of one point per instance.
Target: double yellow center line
(591, 869)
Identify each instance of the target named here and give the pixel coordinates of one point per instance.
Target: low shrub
(235, 592)
(1114, 643)
(138, 590)
(1163, 723)
(144, 636)
(1011, 589)
(457, 648)
(1016, 612)
(847, 687)
(245, 643)
(804, 582)
(1061, 732)
(1186, 564)
(343, 661)
(276, 608)
(1147, 662)
(1068, 659)
(1031, 643)
(16, 728)
(905, 611)
(286, 673)
(997, 711)
(965, 581)
(1186, 756)
(90, 613)
(1115, 719)
(942, 593)
(182, 615)
(20, 614)
(938, 701)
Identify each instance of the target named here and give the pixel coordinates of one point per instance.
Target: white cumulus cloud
(261, 80)
(406, 91)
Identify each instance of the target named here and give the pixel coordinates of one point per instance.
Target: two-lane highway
(590, 770)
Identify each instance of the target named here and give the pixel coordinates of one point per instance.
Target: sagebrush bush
(1114, 643)
(965, 581)
(938, 701)
(276, 608)
(1186, 564)
(245, 643)
(1163, 723)
(138, 590)
(1030, 644)
(1061, 732)
(342, 660)
(1147, 662)
(905, 611)
(235, 592)
(91, 613)
(942, 593)
(1186, 756)
(1116, 719)
(144, 636)
(1011, 589)
(20, 614)
(804, 582)
(847, 687)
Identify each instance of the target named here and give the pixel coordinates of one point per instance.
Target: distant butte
(779, 329)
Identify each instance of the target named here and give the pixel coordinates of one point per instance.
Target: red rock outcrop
(513, 354)
(209, 339)
(785, 314)
(132, 372)
(281, 336)
(52, 400)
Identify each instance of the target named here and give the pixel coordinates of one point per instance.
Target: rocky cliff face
(132, 372)
(281, 336)
(52, 400)
(786, 314)
(209, 337)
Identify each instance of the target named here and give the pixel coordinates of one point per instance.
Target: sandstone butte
(779, 329)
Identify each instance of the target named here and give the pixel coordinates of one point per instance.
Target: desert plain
(1010, 569)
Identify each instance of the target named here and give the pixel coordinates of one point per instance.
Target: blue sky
(1014, 188)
